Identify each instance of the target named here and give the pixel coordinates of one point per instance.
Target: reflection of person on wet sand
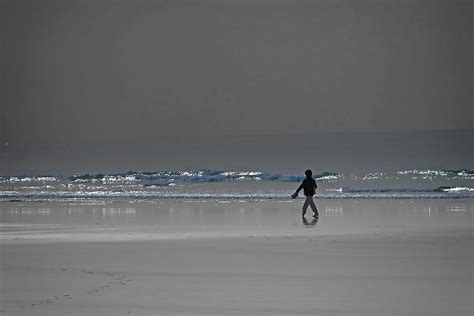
(309, 188)
(312, 223)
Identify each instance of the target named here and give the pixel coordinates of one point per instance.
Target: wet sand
(248, 258)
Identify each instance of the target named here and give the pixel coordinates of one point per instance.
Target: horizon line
(5, 143)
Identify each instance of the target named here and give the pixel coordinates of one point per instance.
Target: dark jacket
(309, 187)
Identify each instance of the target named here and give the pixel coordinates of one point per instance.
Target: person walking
(309, 188)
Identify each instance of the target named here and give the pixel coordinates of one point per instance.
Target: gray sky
(99, 70)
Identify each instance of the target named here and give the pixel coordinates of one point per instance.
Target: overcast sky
(99, 70)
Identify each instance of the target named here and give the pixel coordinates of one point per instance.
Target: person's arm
(294, 195)
(300, 187)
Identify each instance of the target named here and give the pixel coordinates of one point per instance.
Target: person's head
(308, 173)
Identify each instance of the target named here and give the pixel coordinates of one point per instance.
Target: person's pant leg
(313, 206)
(306, 204)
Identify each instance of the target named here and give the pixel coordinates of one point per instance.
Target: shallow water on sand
(192, 219)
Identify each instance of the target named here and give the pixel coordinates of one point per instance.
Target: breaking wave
(402, 190)
(460, 173)
(210, 175)
(170, 176)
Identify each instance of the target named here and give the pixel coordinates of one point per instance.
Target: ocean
(402, 165)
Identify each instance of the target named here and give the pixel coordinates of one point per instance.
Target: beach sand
(236, 258)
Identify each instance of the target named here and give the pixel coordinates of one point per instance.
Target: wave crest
(163, 177)
(210, 175)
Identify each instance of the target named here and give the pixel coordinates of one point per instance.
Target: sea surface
(415, 165)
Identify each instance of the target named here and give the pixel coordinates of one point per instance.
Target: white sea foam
(459, 189)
